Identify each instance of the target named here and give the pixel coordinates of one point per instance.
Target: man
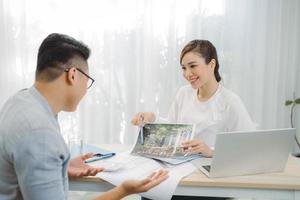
(33, 155)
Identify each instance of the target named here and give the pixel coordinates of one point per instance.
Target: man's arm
(40, 161)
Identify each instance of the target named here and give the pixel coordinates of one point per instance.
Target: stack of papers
(137, 167)
(158, 147)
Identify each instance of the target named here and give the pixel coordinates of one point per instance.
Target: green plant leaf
(297, 101)
(288, 102)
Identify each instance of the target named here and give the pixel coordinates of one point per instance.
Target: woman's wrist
(210, 153)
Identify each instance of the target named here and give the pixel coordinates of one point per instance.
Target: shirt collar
(42, 100)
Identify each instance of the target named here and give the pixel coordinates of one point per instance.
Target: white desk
(284, 185)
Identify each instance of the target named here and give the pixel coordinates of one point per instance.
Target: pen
(104, 155)
(99, 156)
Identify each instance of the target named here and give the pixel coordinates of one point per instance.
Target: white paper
(137, 167)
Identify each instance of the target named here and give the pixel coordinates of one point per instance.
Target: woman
(204, 102)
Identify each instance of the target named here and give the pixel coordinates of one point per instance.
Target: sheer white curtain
(135, 55)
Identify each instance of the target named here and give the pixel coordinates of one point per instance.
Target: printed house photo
(163, 140)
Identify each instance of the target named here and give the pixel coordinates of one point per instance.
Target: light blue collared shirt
(33, 154)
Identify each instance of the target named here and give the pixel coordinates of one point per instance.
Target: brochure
(162, 141)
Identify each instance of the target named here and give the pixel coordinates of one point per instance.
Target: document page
(137, 167)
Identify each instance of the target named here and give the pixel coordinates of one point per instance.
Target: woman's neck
(207, 91)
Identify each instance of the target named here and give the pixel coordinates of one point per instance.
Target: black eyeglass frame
(93, 80)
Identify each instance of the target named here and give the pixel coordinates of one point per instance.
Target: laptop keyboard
(206, 167)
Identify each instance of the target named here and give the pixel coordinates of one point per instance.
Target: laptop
(248, 152)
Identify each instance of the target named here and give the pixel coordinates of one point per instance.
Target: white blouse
(223, 112)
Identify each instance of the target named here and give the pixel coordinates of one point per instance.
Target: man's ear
(71, 75)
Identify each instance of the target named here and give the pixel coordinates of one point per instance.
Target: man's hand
(78, 168)
(137, 186)
(197, 146)
(134, 186)
(143, 117)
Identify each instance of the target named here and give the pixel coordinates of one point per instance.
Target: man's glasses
(90, 79)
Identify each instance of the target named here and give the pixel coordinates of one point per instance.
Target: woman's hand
(141, 118)
(137, 186)
(197, 146)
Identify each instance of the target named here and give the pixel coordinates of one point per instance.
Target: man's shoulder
(21, 115)
(22, 107)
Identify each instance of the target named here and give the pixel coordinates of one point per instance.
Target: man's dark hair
(55, 52)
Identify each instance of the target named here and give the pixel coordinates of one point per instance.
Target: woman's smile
(193, 80)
